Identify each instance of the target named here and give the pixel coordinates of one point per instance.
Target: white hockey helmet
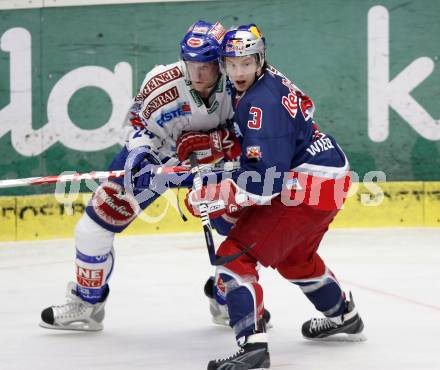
(244, 40)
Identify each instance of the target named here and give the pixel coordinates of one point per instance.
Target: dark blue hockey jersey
(281, 145)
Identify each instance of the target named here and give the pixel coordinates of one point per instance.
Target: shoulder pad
(159, 76)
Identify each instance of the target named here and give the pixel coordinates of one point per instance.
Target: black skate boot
(347, 327)
(219, 313)
(253, 354)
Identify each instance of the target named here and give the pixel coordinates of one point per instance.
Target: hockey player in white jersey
(175, 101)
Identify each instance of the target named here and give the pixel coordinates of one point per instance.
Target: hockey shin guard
(94, 259)
(324, 292)
(244, 297)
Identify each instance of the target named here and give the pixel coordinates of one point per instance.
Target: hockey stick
(75, 177)
(101, 175)
(207, 228)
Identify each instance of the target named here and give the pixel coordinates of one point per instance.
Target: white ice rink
(157, 315)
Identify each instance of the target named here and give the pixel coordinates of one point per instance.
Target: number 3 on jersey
(256, 117)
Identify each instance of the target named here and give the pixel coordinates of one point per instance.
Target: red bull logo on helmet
(234, 45)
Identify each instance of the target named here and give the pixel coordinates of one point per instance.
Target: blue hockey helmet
(242, 41)
(201, 42)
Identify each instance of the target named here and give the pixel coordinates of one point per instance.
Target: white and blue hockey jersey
(167, 105)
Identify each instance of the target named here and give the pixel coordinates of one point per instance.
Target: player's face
(242, 71)
(203, 76)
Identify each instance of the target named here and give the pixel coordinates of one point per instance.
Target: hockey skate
(250, 356)
(347, 327)
(76, 314)
(219, 312)
(253, 353)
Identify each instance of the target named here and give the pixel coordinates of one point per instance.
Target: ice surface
(157, 315)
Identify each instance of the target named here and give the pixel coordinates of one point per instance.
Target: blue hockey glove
(139, 169)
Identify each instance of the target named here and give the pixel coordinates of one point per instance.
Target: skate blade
(359, 337)
(73, 327)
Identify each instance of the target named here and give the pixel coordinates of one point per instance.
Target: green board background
(320, 45)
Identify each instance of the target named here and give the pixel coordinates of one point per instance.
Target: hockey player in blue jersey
(292, 182)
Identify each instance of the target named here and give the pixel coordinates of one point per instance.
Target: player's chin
(201, 86)
(198, 84)
(241, 85)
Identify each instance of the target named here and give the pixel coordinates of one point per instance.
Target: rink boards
(369, 205)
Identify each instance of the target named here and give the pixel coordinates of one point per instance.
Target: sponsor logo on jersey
(290, 85)
(217, 31)
(88, 277)
(159, 80)
(290, 102)
(159, 101)
(183, 109)
(254, 152)
(194, 42)
(320, 145)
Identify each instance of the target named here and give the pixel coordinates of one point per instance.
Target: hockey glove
(209, 147)
(138, 168)
(223, 198)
